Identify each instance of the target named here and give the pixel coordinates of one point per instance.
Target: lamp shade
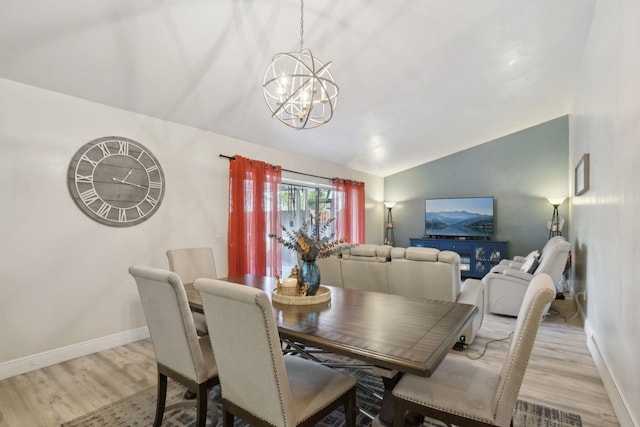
(389, 205)
(556, 200)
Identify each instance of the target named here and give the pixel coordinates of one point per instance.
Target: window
(303, 202)
(260, 201)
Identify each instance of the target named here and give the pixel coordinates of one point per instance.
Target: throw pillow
(533, 254)
(528, 263)
(534, 266)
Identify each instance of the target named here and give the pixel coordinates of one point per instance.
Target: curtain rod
(286, 170)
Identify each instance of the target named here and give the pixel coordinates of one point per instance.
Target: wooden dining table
(396, 334)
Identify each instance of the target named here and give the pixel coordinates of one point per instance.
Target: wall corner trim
(62, 354)
(617, 400)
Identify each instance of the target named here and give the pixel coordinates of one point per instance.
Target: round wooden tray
(323, 295)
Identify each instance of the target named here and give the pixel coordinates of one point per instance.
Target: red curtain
(253, 214)
(349, 209)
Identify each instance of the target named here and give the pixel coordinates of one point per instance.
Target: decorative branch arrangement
(310, 245)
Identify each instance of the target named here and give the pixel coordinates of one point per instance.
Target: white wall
(605, 224)
(64, 276)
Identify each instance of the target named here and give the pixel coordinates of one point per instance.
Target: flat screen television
(469, 218)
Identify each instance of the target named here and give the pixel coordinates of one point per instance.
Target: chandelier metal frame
(298, 88)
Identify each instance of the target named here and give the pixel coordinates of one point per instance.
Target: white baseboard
(618, 403)
(58, 355)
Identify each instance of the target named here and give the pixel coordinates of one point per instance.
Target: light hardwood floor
(560, 374)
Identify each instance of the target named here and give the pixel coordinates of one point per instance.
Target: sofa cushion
(364, 250)
(384, 251)
(397, 253)
(421, 254)
(368, 253)
(449, 257)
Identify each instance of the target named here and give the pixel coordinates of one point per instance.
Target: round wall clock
(116, 181)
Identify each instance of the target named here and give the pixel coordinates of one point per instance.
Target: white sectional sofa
(414, 272)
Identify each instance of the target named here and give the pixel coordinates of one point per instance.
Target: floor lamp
(389, 225)
(557, 222)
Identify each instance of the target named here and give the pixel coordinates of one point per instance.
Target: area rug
(139, 410)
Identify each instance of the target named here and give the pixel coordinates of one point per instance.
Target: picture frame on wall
(581, 183)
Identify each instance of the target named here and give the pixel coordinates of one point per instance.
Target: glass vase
(310, 275)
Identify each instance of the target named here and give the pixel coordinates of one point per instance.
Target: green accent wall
(519, 170)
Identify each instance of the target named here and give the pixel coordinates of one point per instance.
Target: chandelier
(298, 88)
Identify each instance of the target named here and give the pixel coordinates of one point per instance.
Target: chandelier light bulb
(324, 98)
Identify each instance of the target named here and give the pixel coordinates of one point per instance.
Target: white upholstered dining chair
(180, 353)
(463, 393)
(258, 383)
(191, 264)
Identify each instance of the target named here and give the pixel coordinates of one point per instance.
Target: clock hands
(124, 181)
(127, 176)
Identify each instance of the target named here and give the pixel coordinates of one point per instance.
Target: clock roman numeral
(86, 179)
(104, 148)
(89, 196)
(104, 210)
(151, 200)
(140, 212)
(152, 168)
(154, 184)
(123, 148)
(86, 159)
(122, 215)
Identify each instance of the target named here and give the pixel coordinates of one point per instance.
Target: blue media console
(476, 256)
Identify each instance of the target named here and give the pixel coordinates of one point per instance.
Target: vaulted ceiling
(419, 79)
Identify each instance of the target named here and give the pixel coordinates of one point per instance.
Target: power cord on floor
(579, 307)
(556, 313)
(487, 345)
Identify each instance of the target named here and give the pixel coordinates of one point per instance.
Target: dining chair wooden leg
(350, 409)
(161, 399)
(201, 404)
(398, 413)
(227, 418)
